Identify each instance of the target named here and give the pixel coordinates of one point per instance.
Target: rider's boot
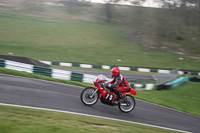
(123, 98)
(117, 98)
(118, 94)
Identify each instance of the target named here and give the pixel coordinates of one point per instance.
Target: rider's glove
(109, 85)
(104, 85)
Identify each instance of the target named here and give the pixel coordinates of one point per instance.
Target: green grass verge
(81, 42)
(22, 120)
(184, 98)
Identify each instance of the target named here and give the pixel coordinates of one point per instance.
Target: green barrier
(154, 70)
(178, 81)
(134, 69)
(2, 63)
(111, 67)
(97, 67)
(55, 63)
(144, 86)
(132, 86)
(75, 65)
(195, 73)
(77, 77)
(42, 70)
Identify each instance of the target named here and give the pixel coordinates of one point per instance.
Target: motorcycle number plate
(109, 97)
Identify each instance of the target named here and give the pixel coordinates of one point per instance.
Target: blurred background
(141, 33)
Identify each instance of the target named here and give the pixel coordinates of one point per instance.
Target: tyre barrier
(172, 84)
(195, 79)
(122, 68)
(60, 74)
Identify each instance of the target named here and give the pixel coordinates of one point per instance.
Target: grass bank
(184, 98)
(81, 42)
(22, 120)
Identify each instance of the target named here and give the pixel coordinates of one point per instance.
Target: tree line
(176, 22)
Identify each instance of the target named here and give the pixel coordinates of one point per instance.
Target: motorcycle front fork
(91, 96)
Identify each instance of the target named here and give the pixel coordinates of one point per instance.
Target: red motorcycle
(90, 95)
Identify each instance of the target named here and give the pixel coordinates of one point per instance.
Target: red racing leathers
(119, 84)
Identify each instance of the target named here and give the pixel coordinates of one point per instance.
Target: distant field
(81, 42)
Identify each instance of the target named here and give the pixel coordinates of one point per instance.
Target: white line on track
(61, 111)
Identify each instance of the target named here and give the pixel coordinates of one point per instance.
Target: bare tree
(109, 3)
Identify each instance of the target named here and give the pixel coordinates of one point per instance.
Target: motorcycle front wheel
(88, 97)
(128, 105)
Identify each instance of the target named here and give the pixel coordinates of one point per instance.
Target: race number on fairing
(109, 97)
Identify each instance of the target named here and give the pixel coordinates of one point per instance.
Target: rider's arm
(116, 83)
(113, 81)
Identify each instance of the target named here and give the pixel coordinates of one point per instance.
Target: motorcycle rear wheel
(86, 96)
(128, 105)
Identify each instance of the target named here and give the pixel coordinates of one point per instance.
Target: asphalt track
(45, 94)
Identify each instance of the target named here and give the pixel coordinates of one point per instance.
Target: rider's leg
(119, 91)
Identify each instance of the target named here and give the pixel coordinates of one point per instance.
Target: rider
(119, 83)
